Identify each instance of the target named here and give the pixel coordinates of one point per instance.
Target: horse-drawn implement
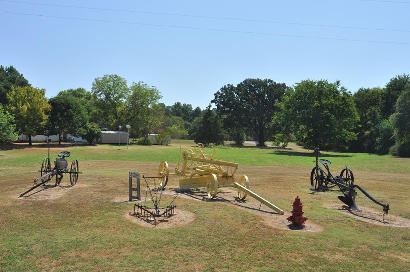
(155, 212)
(321, 181)
(200, 170)
(60, 168)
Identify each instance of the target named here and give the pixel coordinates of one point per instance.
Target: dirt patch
(372, 216)
(269, 217)
(123, 199)
(281, 222)
(48, 192)
(180, 218)
(120, 199)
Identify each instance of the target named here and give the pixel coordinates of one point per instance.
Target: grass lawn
(85, 230)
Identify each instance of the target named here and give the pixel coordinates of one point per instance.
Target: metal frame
(200, 170)
(137, 188)
(60, 168)
(144, 212)
(345, 182)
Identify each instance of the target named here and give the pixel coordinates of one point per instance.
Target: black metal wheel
(74, 172)
(45, 167)
(347, 176)
(317, 179)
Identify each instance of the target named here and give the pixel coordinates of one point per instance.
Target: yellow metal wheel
(163, 172)
(212, 186)
(244, 181)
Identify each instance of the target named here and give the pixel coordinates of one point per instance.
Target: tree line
(312, 113)
(111, 103)
(318, 114)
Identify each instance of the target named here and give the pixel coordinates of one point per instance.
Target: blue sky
(190, 49)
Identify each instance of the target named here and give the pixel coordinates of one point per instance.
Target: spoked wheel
(244, 181)
(74, 172)
(212, 187)
(347, 176)
(45, 167)
(317, 179)
(163, 172)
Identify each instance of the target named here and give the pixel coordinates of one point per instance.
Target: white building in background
(38, 138)
(75, 139)
(53, 138)
(114, 137)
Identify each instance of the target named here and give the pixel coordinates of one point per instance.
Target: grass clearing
(84, 230)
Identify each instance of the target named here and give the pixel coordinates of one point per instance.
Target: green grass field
(85, 230)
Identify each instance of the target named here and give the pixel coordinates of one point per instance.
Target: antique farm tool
(200, 170)
(60, 168)
(153, 212)
(321, 181)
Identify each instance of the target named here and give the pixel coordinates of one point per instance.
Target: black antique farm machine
(323, 180)
(60, 168)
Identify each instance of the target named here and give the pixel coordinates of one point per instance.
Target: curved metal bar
(386, 207)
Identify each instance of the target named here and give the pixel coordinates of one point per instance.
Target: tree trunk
(261, 136)
(59, 138)
(29, 140)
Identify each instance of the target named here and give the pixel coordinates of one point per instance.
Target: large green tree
(369, 107)
(30, 108)
(141, 110)
(84, 97)
(228, 106)
(209, 128)
(401, 122)
(67, 115)
(7, 127)
(249, 106)
(9, 77)
(392, 92)
(322, 114)
(110, 93)
(181, 111)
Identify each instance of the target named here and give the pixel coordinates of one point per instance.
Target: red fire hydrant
(297, 217)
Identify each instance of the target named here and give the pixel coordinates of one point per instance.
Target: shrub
(401, 149)
(91, 132)
(144, 141)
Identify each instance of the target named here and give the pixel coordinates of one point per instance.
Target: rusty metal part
(322, 180)
(152, 214)
(60, 168)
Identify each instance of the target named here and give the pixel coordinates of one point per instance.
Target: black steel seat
(325, 162)
(64, 154)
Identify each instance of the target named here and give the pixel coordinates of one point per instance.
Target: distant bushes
(143, 141)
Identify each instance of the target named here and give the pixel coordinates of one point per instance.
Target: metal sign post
(128, 136)
(131, 189)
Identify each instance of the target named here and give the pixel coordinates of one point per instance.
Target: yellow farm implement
(200, 170)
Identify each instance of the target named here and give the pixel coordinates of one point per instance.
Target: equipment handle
(386, 207)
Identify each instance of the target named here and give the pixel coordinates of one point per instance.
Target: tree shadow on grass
(37, 145)
(259, 147)
(308, 154)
